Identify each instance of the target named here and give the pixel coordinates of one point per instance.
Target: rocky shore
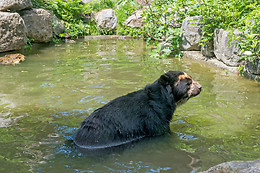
(19, 21)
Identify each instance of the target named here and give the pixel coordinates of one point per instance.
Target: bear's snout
(195, 89)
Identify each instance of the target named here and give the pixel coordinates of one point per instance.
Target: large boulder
(39, 24)
(253, 67)
(12, 32)
(135, 20)
(15, 5)
(191, 33)
(225, 50)
(106, 19)
(252, 70)
(57, 26)
(207, 49)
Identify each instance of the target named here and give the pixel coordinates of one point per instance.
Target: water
(44, 100)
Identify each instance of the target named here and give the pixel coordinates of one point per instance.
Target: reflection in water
(43, 100)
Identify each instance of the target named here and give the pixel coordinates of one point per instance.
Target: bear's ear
(164, 80)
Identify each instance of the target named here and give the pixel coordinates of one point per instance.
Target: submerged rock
(12, 32)
(236, 167)
(15, 5)
(12, 59)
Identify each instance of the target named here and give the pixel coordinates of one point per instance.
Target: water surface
(44, 100)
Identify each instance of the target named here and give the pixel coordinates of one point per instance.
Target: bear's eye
(188, 82)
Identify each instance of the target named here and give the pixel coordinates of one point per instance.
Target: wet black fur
(139, 114)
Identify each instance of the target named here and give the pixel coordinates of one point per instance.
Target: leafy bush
(125, 8)
(248, 40)
(98, 5)
(231, 15)
(162, 22)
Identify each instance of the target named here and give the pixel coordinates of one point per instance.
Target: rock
(12, 32)
(144, 2)
(224, 51)
(57, 26)
(12, 59)
(15, 5)
(86, 1)
(191, 33)
(197, 55)
(247, 53)
(236, 167)
(106, 19)
(135, 20)
(253, 67)
(88, 17)
(208, 49)
(39, 24)
(164, 46)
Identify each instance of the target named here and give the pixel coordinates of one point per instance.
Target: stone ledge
(197, 55)
(105, 37)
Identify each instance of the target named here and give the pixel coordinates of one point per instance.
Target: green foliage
(248, 40)
(124, 30)
(98, 5)
(221, 14)
(28, 46)
(38, 3)
(123, 11)
(72, 14)
(76, 15)
(231, 15)
(162, 21)
(125, 8)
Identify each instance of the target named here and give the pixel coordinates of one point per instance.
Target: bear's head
(181, 85)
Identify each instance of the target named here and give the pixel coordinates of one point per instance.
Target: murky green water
(44, 99)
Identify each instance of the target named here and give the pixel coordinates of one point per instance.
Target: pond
(44, 99)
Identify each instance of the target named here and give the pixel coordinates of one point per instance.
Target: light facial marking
(181, 77)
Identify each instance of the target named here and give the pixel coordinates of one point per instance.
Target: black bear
(143, 113)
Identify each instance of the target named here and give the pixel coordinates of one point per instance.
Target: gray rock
(135, 20)
(191, 33)
(88, 17)
(106, 19)
(224, 51)
(57, 26)
(236, 167)
(86, 1)
(145, 2)
(12, 32)
(39, 24)
(253, 67)
(197, 55)
(207, 49)
(15, 5)
(164, 45)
